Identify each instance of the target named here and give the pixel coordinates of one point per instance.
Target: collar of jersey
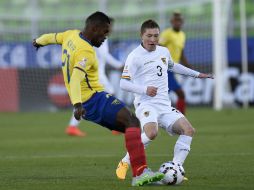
(81, 36)
(144, 49)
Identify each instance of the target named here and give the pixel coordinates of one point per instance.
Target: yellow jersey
(83, 81)
(174, 41)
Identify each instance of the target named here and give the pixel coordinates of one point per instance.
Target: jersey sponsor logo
(147, 113)
(83, 62)
(148, 62)
(164, 60)
(115, 102)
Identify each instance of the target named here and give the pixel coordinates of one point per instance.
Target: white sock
(74, 122)
(145, 140)
(182, 148)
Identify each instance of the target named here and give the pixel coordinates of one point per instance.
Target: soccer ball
(174, 173)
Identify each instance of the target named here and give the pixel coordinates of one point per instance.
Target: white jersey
(145, 69)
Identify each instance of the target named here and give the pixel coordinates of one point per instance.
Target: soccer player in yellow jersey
(90, 101)
(174, 39)
(104, 57)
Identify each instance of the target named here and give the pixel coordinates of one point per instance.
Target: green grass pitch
(35, 153)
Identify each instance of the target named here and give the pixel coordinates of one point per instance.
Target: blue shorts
(102, 108)
(173, 85)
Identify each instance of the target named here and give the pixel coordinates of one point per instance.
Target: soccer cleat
(185, 179)
(121, 170)
(74, 131)
(147, 177)
(116, 132)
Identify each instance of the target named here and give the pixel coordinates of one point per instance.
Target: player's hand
(203, 75)
(151, 91)
(36, 45)
(79, 111)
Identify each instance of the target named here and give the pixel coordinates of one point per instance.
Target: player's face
(150, 38)
(100, 34)
(177, 22)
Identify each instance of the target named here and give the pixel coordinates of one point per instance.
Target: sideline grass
(36, 154)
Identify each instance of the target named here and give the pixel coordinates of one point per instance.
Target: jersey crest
(147, 113)
(164, 60)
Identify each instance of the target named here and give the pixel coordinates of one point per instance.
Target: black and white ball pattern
(174, 173)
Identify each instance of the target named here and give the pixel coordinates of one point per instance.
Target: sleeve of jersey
(180, 69)
(83, 61)
(126, 83)
(131, 87)
(51, 38)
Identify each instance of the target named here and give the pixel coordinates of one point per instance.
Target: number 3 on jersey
(66, 62)
(159, 73)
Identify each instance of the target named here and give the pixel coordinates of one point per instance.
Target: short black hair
(97, 18)
(148, 24)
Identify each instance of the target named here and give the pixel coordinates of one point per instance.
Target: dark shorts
(173, 85)
(102, 108)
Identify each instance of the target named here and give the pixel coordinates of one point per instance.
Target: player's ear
(141, 35)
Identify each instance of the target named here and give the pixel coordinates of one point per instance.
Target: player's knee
(187, 127)
(152, 134)
(189, 131)
(151, 130)
(126, 119)
(183, 127)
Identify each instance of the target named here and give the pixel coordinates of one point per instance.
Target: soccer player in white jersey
(145, 74)
(104, 57)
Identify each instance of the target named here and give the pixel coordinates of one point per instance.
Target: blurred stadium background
(213, 45)
(35, 153)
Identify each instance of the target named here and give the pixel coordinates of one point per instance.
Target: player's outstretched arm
(180, 69)
(204, 75)
(36, 45)
(47, 39)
